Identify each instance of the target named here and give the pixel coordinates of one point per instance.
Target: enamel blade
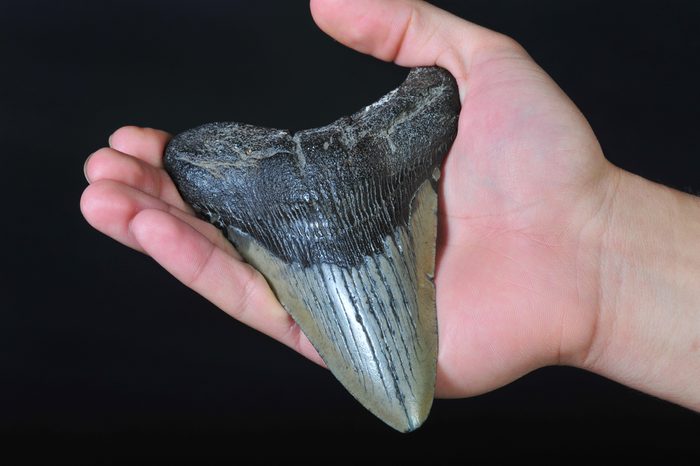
(341, 220)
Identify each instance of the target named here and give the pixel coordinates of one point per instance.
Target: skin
(547, 253)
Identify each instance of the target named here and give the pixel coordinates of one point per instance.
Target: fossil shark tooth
(341, 220)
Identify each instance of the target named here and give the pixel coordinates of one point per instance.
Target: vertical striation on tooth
(341, 220)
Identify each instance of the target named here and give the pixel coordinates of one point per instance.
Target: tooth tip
(416, 418)
(414, 423)
(408, 418)
(405, 415)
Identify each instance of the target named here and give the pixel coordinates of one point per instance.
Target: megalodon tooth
(341, 220)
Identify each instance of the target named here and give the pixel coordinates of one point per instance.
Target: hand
(522, 190)
(525, 206)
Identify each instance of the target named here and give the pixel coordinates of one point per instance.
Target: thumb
(407, 32)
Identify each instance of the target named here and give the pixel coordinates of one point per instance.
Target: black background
(104, 357)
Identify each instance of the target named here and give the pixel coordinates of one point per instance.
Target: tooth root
(373, 324)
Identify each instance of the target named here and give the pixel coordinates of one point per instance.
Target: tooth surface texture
(341, 220)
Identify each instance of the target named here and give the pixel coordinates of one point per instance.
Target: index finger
(147, 144)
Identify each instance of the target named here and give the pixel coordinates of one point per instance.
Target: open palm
(520, 192)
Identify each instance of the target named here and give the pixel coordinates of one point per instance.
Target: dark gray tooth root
(341, 220)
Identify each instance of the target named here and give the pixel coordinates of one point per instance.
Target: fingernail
(85, 167)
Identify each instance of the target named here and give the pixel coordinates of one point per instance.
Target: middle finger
(110, 164)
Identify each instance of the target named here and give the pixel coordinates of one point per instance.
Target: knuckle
(140, 175)
(499, 42)
(198, 271)
(250, 281)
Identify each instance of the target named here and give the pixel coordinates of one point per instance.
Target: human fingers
(409, 33)
(229, 283)
(110, 164)
(147, 144)
(110, 206)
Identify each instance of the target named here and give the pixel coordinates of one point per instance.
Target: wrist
(647, 328)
